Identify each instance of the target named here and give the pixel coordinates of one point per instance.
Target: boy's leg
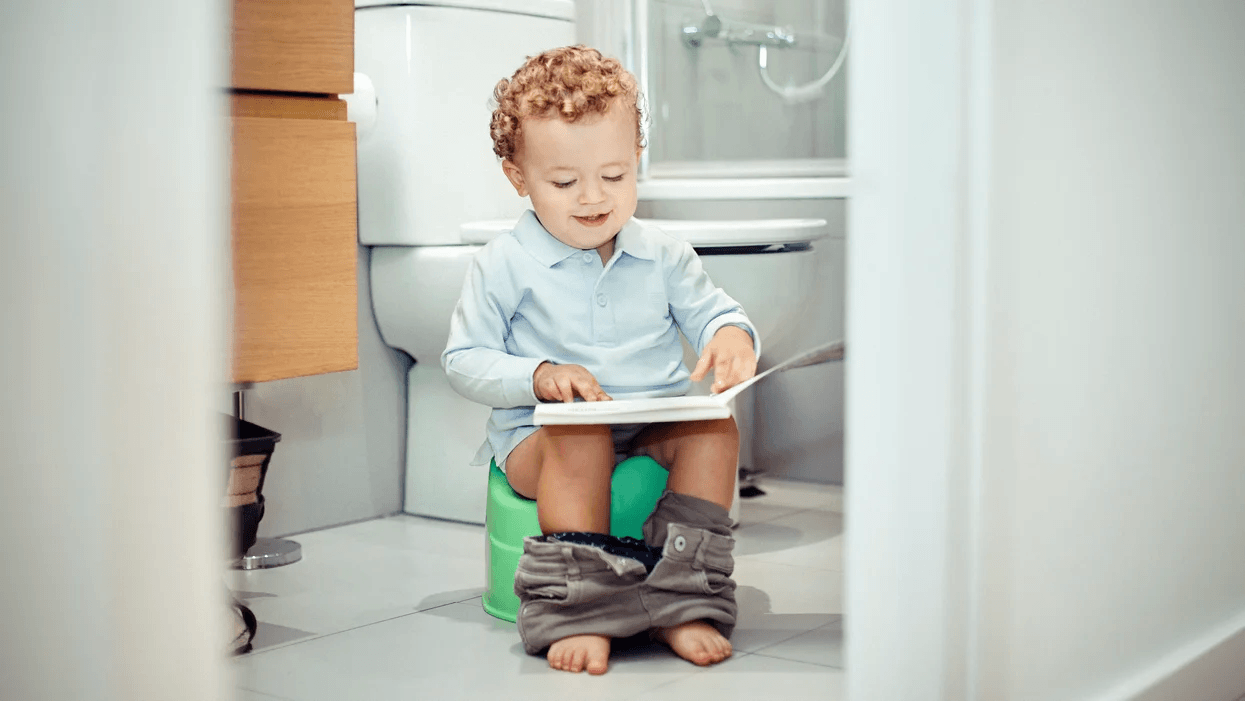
(567, 470)
(690, 591)
(567, 587)
(702, 457)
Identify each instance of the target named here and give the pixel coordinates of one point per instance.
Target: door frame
(916, 323)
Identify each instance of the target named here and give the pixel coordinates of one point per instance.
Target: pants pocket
(534, 585)
(717, 581)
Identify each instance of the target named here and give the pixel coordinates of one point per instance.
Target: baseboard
(1208, 668)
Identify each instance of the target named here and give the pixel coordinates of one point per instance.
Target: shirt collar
(549, 251)
(632, 240)
(537, 240)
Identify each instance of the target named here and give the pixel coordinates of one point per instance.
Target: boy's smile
(594, 220)
(580, 175)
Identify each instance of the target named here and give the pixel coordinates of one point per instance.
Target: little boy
(580, 301)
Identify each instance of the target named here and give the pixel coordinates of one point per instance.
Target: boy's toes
(598, 664)
(697, 642)
(701, 656)
(695, 652)
(579, 652)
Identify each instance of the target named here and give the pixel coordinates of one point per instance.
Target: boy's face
(581, 176)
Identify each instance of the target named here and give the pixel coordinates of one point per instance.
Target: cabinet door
(302, 46)
(294, 248)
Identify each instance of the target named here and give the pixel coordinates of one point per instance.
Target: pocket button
(679, 543)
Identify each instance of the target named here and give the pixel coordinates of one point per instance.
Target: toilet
(431, 194)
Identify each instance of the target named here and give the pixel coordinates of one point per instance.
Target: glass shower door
(743, 88)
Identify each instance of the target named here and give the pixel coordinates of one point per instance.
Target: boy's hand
(560, 383)
(731, 356)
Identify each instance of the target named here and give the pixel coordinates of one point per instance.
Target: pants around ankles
(569, 588)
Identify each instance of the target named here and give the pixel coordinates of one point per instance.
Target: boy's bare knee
(726, 428)
(559, 450)
(718, 432)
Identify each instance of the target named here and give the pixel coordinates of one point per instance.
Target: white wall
(113, 295)
(1115, 397)
(1047, 318)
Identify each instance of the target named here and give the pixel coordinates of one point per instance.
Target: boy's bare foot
(696, 641)
(576, 653)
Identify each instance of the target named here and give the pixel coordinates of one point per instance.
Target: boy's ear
(515, 176)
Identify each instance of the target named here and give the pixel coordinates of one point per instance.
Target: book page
(685, 408)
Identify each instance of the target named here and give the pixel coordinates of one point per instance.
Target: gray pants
(572, 589)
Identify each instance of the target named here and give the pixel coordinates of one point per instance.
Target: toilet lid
(701, 233)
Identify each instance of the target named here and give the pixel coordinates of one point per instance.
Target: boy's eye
(614, 179)
(565, 184)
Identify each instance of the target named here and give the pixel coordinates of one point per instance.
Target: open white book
(690, 408)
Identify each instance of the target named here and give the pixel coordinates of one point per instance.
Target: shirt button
(587, 257)
(601, 300)
(679, 543)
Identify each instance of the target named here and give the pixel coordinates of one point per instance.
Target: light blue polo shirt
(529, 298)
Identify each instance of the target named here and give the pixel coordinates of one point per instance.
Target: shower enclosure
(712, 110)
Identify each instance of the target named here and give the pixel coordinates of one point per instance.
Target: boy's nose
(591, 193)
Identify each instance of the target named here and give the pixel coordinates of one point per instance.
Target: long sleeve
(475, 358)
(699, 307)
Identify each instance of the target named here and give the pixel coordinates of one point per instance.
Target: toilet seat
(701, 233)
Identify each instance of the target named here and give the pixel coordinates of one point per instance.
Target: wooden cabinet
(302, 46)
(293, 190)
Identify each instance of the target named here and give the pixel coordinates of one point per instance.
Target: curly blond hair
(569, 82)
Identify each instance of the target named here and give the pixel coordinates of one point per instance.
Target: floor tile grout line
(788, 659)
(793, 636)
(265, 694)
(695, 672)
(798, 511)
(768, 520)
(321, 636)
(838, 620)
(344, 524)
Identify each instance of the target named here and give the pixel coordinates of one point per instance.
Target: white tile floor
(390, 609)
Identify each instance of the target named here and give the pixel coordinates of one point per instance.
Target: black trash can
(250, 449)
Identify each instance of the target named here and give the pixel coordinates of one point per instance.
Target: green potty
(509, 518)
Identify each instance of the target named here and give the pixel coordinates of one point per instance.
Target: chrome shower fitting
(761, 36)
(712, 27)
(739, 33)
